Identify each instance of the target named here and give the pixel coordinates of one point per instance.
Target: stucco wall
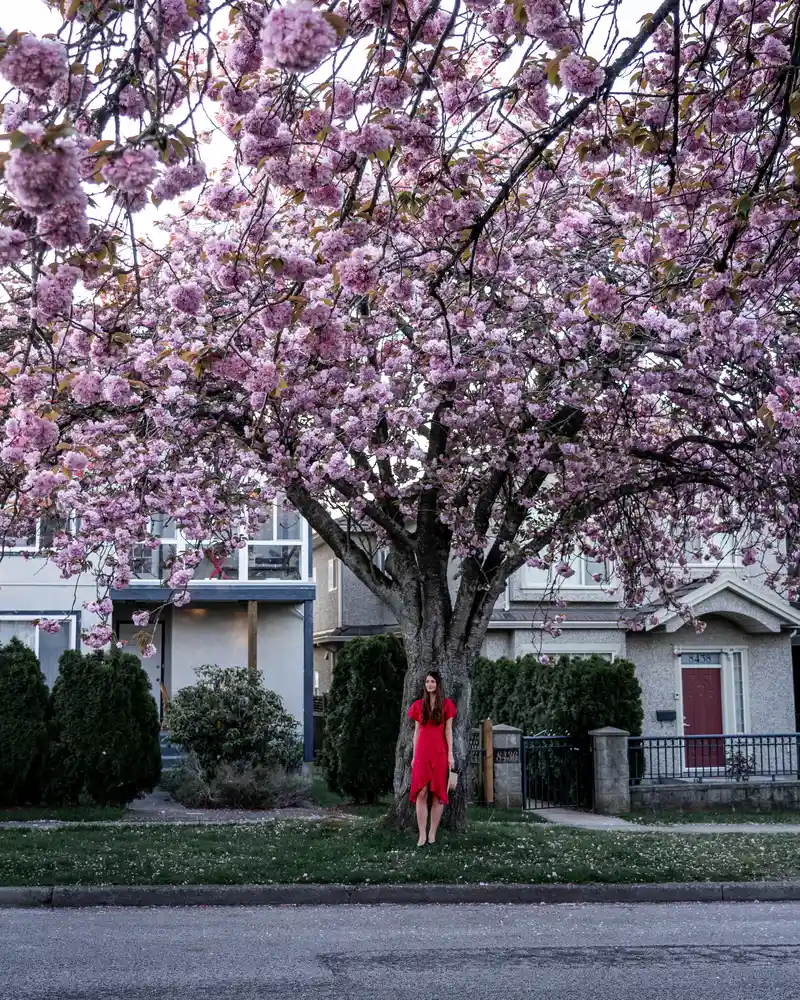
(359, 605)
(578, 640)
(323, 667)
(326, 606)
(769, 661)
(499, 643)
(218, 634)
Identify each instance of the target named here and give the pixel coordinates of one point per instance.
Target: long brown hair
(435, 714)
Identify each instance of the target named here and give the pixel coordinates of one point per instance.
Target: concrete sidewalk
(76, 897)
(594, 821)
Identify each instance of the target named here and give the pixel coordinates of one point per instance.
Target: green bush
(237, 786)
(364, 718)
(569, 696)
(589, 693)
(229, 717)
(105, 746)
(24, 733)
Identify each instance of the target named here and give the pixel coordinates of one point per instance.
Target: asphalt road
(733, 951)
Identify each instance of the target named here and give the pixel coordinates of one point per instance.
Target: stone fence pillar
(612, 790)
(507, 743)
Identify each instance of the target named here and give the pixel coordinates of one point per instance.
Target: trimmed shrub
(105, 746)
(591, 692)
(229, 717)
(237, 786)
(24, 710)
(570, 695)
(364, 718)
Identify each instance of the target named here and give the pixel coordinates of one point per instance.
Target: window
(333, 574)
(584, 571)
(47, 647)
(718, 550)
(738, 691)
(578, 654)
(274, 551)
(40, 537)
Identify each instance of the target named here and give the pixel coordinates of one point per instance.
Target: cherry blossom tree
(480, 283)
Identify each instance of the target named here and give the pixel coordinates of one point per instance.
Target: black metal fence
(477, 755)
(556, 772)
(737, 757)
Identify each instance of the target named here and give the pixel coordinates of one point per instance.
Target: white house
(258, 603)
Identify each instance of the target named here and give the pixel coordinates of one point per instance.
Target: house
(740, 675)
(254, 606)
(344, 609)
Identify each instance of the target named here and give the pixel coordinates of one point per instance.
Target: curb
(76, 897)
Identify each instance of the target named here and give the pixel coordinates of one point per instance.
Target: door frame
(728, 687)
(162, 684)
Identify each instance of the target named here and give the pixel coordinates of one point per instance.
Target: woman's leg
(436, 814)
(422, 814)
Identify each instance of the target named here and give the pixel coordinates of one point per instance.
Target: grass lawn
(359, 851)
(72, 814)
(721, 816)
(326, 799)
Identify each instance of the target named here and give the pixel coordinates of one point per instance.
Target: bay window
(275, 551)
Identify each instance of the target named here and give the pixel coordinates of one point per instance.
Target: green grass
(720, 816)
(326, 799)
(72, 814)
(359, 851)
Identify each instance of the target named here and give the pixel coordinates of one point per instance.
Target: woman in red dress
(433, 760)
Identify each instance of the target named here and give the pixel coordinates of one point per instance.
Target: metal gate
(556, 772)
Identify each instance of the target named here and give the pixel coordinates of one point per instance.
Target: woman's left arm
(448, 734)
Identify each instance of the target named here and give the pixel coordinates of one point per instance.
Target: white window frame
(582, 580)
(37, 546)
(727, 683)
(579, 651)
(333, 575)
(182, 544)
(732, 559)
(68, 620)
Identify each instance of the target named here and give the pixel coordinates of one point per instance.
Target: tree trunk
(424, 654)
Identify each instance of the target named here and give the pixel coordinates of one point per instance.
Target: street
(657, 952)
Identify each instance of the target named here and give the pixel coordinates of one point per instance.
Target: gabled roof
(762, 607)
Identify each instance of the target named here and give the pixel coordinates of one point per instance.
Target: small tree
(366, 696)
(229, 717)
(105, 747)
(23, 725)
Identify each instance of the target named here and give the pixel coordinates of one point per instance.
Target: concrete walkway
(594, 821)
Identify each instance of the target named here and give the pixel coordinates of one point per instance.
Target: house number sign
(510, 756)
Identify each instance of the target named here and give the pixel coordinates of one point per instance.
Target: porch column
(252, 637)
(507, 742)
(612, 789)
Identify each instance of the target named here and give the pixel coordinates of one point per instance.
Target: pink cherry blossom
(133, 171)
(54, 291)
(131, 102)
(39, 179)
(34, 64)
(141, 618)
(186, 297)
(49, 625)
(12, 242)
(296, 37)
(579, 75)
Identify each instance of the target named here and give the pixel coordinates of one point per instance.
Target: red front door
(702, 716)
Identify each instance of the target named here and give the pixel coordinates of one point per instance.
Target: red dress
(430, 765)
